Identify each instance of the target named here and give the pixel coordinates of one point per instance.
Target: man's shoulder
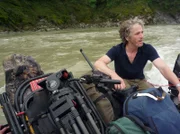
(119, 46)
(147, 46)
(150, 51)
(115, 51)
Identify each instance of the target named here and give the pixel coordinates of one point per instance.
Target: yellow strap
(30, 126)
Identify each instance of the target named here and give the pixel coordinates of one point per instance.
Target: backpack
(155, 109)
(101, 102)
(19, 68)
(127, 125)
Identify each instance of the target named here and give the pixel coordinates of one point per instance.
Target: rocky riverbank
(163, 18)
(158, 18)
(19, 16)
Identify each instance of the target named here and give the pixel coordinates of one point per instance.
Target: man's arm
(101, 65)
(167, 73)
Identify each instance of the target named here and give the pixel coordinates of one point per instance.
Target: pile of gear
(58, 103)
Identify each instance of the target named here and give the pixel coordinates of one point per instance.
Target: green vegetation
(20, 15)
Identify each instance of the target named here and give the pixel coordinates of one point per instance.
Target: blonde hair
(126, 26)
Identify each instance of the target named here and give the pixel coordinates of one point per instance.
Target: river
(55, 50)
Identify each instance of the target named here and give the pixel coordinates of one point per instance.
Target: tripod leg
(88, 115)
(79, 120)
(73, 124)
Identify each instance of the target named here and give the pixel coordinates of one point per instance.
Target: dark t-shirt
(127, 70)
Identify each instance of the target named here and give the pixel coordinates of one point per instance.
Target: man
(131, 56)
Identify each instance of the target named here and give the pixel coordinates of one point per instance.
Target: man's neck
(131, 48)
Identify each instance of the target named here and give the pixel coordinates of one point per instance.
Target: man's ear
(127, 38)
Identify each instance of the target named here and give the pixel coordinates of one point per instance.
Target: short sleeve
(112, 53)
(153, 54)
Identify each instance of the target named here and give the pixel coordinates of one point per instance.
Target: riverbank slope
(24, 15)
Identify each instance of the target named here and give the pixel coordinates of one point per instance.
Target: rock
(163, 18)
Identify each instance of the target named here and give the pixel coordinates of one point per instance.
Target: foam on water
(2, 89)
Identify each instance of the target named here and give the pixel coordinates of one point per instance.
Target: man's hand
(4, 130)
(120, 86)
(178, 88)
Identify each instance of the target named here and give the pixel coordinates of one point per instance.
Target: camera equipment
(59, 105)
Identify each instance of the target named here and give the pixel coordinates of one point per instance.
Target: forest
(19, 15)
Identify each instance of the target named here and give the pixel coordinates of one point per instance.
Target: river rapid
(56, 50)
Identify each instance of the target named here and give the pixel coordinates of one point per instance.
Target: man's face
(136, 35)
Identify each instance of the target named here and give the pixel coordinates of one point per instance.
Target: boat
(58, 103)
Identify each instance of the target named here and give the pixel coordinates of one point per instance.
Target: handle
(156, 98)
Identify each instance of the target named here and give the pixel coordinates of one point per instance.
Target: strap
(89, 88)
(99, 98)
(139, 123)
(34, 84)
(117, 107)
(118, 128)
(156, 98)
